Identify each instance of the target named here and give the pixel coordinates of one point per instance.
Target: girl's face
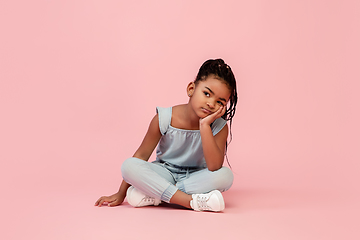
(207, 96)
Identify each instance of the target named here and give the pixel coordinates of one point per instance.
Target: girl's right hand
(213, 116)
(110, 201)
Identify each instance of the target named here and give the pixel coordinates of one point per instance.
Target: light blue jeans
(161, 180)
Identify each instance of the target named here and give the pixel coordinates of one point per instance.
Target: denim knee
(222, 179)
(129, 168)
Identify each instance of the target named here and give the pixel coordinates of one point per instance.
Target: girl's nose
(210, 105)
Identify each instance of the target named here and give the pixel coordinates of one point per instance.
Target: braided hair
(222, 71)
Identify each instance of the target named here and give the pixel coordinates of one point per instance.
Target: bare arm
(150, 141)
(144, 152)
(213, 146)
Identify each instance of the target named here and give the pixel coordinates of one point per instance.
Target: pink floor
(41, 203)
(249, 214)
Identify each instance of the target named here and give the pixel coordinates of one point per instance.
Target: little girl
(192, 142)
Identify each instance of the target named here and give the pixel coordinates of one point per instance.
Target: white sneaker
(212, 201)
(137, 199)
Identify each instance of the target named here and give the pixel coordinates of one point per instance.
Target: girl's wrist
(121, 194)
(204, 125)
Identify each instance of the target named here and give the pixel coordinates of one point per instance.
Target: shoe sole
(221, 199)
(129, 192)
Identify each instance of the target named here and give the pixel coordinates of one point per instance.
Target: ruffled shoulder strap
(164, 118)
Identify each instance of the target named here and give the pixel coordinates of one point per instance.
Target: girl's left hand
(212, 117)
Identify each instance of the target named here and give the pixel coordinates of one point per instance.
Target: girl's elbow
(214, 164)
(213, 168)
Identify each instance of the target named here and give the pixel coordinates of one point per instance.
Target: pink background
(80, 80)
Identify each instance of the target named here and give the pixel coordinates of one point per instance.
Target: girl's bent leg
(150, 178)
(204, 181)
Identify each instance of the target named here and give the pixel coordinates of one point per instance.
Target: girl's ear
(190, 89)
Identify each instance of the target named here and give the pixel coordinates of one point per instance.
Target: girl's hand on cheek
(212, 117)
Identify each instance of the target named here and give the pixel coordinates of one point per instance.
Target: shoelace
(148, 199)
(202, 203)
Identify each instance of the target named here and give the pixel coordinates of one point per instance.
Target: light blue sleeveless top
(180, 146)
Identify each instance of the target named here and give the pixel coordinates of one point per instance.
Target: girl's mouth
(206, 110)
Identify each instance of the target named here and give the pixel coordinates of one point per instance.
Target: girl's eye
(207, 94)
(220, 103)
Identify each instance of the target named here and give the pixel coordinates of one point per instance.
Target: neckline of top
(185, 130)
(180, 129)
